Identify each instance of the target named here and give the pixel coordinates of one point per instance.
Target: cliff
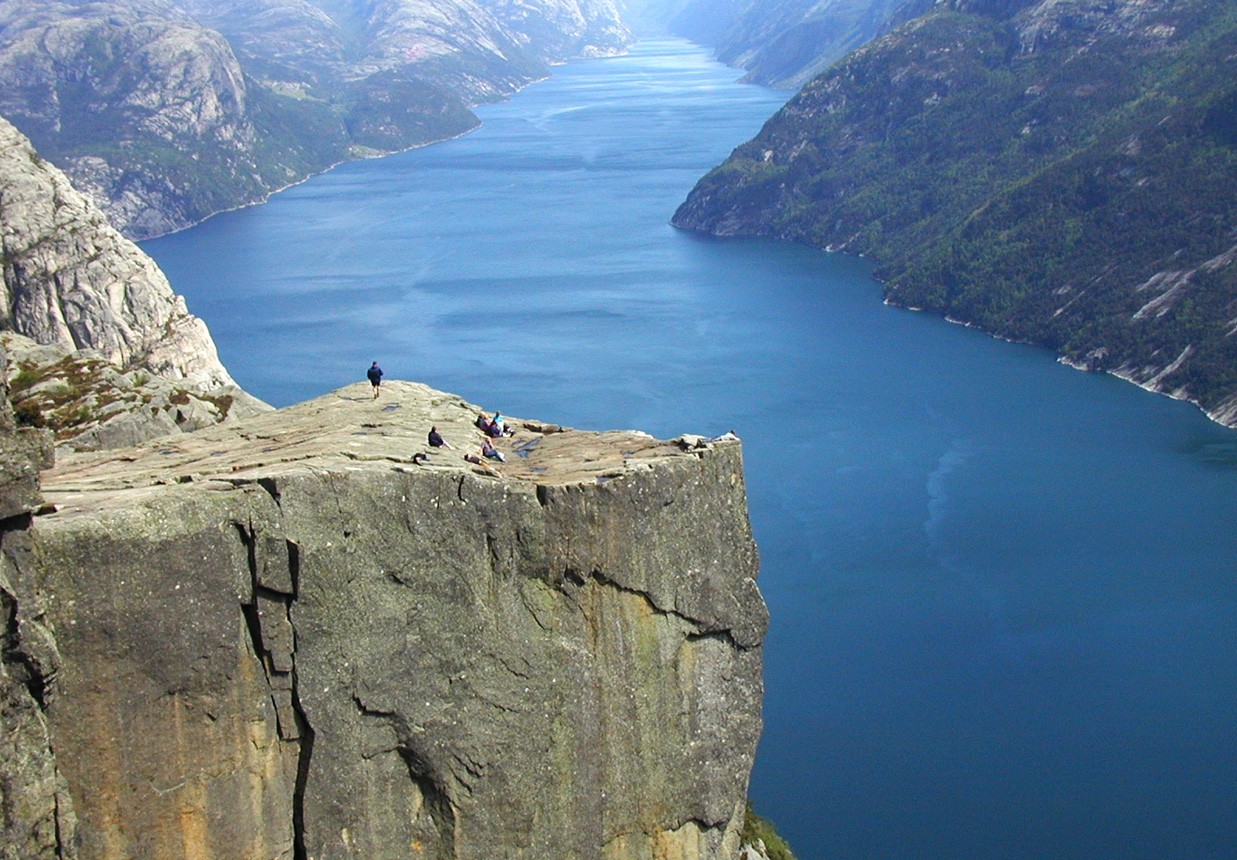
(284, 638)
(100, 348)
(38, 811)
(1063, 173)
(168, 111)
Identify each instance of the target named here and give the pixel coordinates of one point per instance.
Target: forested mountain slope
(1060, 172)
(166, 111)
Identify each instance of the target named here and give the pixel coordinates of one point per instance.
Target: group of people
(493, 428)
(488, 451)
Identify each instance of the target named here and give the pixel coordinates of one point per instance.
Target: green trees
(1067, 181)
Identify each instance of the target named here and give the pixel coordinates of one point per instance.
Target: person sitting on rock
(436, 440)
(488, 450)
(499, 426)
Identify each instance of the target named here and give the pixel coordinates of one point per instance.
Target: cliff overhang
(291, 637)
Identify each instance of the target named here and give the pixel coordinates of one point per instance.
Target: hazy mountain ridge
(785, 42)
(1063, 173)
(167, 111)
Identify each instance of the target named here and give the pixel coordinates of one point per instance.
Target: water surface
(1002, 591)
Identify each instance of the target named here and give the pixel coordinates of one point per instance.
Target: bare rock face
(71, 278)
(295, 638)
(38, 820)
(115, 338)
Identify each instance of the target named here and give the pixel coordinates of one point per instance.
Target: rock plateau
(286, 638)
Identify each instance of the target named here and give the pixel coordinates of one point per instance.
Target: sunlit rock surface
(295, 635)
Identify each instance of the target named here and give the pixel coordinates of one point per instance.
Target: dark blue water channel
(1003, 592)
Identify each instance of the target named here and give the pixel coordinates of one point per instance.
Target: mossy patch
(758, 830)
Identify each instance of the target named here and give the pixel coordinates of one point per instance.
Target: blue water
(1003, 592)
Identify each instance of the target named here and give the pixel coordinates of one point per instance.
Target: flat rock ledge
(350, 430)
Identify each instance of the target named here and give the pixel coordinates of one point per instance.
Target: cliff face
(286, 640)
(101, 310)
(167, 111)
(38, 816)
(1056, 172)
(71, 279)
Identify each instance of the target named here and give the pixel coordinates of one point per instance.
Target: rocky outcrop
(294, 638)
(38, 821)
(71, 279)
(91, 404)
(168, 111)
(101, 310)
(1062, 173)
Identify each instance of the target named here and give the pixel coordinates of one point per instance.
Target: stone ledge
(348, 430)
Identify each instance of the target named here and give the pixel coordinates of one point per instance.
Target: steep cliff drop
(38, 813)
(283, 638)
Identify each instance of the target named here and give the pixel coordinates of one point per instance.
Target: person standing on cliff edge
(375, 378)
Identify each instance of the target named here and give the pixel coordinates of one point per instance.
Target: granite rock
(38, 821)
(310, 634)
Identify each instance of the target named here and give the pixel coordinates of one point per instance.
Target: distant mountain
(1061, 172)
(782, 42)
(167, 111)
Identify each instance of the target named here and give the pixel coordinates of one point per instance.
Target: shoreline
(607, 55)
(1225, 415)
(265, 198)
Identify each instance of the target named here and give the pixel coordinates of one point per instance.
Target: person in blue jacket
(375, 378)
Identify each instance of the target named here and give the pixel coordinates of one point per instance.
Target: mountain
(98, 343)
(780, 43)
(1063, 173)
(167, 111)
(288, 638)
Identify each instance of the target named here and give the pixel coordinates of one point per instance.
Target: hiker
(436, 440)
(483, 423)
(488, 450)
(375, 377)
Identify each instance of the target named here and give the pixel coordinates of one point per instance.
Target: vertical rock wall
(371, 662)
(36, 813)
